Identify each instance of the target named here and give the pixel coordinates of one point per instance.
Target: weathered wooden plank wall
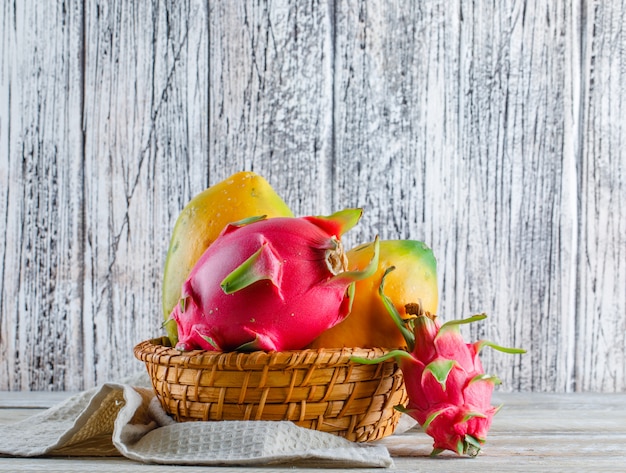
(493, 131)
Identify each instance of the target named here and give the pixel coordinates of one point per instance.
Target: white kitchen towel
(127, 419)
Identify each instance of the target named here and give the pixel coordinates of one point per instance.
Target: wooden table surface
(579, 432)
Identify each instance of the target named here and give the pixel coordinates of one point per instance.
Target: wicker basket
(316, 389)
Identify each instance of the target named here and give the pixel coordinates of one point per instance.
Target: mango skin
(242, 195)
(414, 280)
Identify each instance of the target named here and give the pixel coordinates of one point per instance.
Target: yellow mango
(242, 195)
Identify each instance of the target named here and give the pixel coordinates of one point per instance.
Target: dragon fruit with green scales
(449, 393)
(269, 284)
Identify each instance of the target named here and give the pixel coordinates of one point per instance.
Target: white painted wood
(533, 432)
(32, 399)
(458, 121)
(145, 121)
(271, 98)
(493, 131)
(601, 301)
(41, 143)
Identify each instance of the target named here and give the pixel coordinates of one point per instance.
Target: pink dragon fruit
(269, 284)
(449, 393)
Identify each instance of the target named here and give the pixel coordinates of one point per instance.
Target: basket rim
(159, 351)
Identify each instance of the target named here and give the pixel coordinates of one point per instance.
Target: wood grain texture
(42, 198)
(601, 302)
(533, 432)
(513, 213)
(493, 131)
(271, 97)
(145, 119)
(434, 100)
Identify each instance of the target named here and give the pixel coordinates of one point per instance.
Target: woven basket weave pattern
(316, 389)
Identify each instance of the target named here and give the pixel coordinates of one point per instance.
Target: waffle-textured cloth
(127, 419)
